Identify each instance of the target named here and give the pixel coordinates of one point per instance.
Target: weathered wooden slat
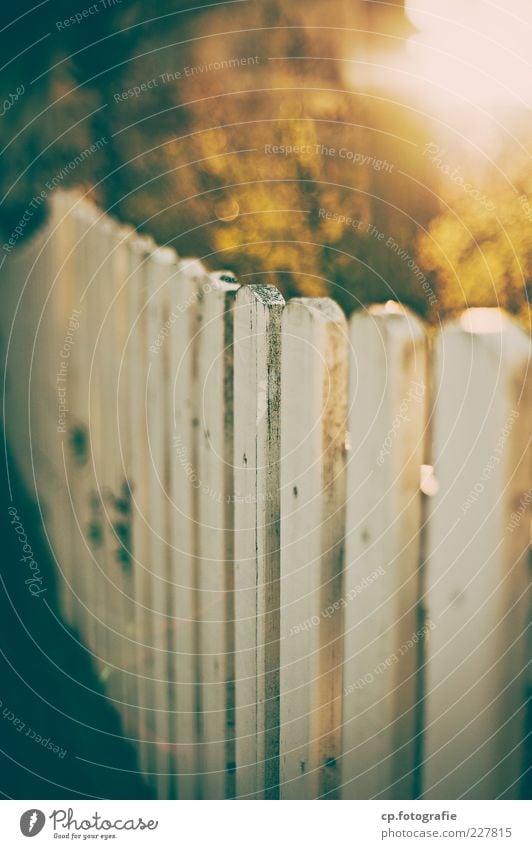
(86, 440)
(313, 434)
(215, 502)
(120, 506)
(62, 357)
(257, 359)
(41, 378)
(112, 480)
(182, 343)
(477, 561)
(161, 280)
(78, 471)
(386, 424)
(97, 400)
(137, 585)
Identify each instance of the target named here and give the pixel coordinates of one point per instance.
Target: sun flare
(476, 50)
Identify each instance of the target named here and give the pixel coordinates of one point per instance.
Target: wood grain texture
(387, 421)
(257, 373)
(215, 504)
(313, 434)
(477, 581)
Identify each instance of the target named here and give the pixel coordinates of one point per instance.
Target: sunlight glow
(472, 49)
(428, 482)
(481, 320)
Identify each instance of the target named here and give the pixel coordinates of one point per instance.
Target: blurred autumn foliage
(246, 133)
(481, 257)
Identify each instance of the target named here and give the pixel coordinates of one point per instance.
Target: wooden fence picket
(162, 271)
(184, 530)
(98, 296)
(137, 585)
(386, 424)
(257, 373)
(121, 502)
(313, 434)
(43, 414)
(112, 480)
(477, 582)
(213, 482)
(78, 471)
(62, 360)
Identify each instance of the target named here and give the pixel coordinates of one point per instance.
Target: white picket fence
(296, 545)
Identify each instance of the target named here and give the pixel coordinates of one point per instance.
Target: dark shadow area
(56, 725)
